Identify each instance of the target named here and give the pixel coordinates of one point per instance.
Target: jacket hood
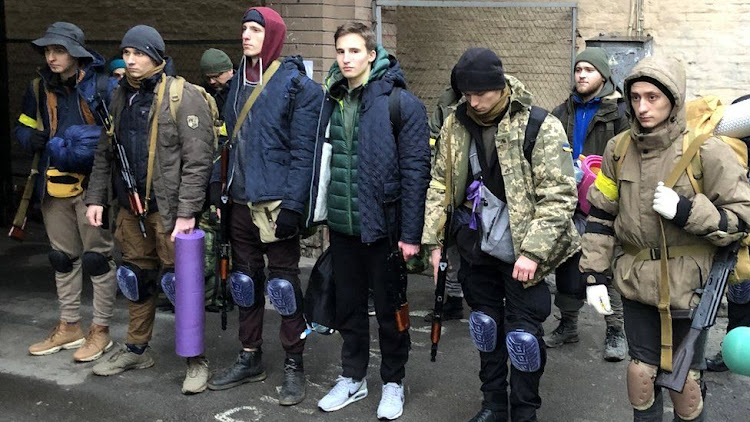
(273, 41)
(669, 73)
(385, 68)
(520, 97)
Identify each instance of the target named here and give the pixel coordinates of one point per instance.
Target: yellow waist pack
(64, 185)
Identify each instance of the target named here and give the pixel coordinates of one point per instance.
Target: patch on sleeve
(192, 121)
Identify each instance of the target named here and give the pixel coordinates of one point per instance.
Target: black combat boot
(489, 415)
(453, 308)
(247, 368)
(293, 388)
(615, 344)
(716, 363)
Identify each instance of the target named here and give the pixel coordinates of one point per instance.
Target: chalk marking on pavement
(226, 416)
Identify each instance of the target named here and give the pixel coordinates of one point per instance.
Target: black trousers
(739, 315)
(357, 266)
(492, 290)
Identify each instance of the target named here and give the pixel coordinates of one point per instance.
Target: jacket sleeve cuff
(595, 279)
(683, 212)
(531, 256)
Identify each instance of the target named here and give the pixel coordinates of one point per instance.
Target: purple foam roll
(189, 315)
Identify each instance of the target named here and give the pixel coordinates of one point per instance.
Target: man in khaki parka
(632, 204)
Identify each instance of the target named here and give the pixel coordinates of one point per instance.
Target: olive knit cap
(215, 61)
(598, 58)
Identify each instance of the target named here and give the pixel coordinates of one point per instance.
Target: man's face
(218, 81)
(60, 61)
(138, 63)
(588, 80)
(482, 102)
(118, 73)
(253, 35)
(650, 105)
(353, 58)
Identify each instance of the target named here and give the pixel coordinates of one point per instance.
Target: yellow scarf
(488, 118)
(136, 82)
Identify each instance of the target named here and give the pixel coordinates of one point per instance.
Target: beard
(589, 88)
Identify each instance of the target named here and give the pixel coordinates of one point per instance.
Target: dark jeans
(355, 267)
(283, 262)
(492, 290)
(739, 315)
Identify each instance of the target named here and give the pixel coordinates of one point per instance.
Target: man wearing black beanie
(499, 152)
(171, 169)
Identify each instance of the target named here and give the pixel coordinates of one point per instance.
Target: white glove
(598, 297)
(665, 201)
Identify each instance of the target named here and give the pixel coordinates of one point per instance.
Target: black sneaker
(247, 368)
(716, 363)
(489, 415)
(293, 387)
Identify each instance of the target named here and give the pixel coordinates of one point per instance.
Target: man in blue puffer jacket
(60, 123)
(270, 167)
(375, 203)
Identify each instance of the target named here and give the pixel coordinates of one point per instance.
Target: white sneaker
(345, 392)
(392, 401)
(196, 377)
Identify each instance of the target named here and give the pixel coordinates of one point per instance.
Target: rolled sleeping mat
(590, 166)
(189, 318)
(736, 121)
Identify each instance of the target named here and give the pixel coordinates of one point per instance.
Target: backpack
(175, 96)
(702, 116)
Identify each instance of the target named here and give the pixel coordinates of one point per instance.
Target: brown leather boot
(63, 336)
(97, 343)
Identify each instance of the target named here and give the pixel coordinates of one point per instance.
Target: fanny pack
(64, 185)
(264, 215)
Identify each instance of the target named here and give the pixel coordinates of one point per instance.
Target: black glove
(287, 223)
(214, 194)
(38, 140)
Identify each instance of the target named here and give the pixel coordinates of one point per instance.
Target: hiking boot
(196, 377)
(391, 402)
(96, 344)
(345, 392)
(453, 308)
(63, 336)
(124, 360)
(615, 344)
(247, 368)
(293, 387)
(489, 415)
(716, 363)
(566, 332)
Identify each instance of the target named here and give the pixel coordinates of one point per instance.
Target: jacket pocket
(278, 156)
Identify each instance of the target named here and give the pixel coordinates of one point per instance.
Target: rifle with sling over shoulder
(437, 313)
(703, 318)
(126, 172)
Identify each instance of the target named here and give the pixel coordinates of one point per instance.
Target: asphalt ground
(578, 385)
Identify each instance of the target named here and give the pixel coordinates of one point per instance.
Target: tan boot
(97, 343)
(63, 336)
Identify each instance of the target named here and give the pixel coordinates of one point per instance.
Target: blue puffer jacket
(279, 136)
(86, 89)
(388, 172)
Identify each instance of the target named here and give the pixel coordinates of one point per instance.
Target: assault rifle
(224, 249)
(136, 206)
(437, 312)
(703, 318)
(19, 221)
(398, 277)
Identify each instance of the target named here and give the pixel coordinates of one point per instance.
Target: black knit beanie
(656, 83)
(252, 15)
(478, 70)
(146, 39)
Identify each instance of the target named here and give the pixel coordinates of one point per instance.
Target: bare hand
(524, 269)
(408, 250)
(183, 225)
(94, 214)
(435, 260)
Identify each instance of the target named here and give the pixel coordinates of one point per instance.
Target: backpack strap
(685, 160)
(394, 111)
(621, 111)
(296, 87)
(37, 88)
(153, 134)
(536, 118)
(175, 96)
(621, 148)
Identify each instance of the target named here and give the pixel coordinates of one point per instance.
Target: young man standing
(171, 168)
(270, 167)
(633, 210)
(483, 156)
(218, 70)
(375, 205)
(59, 122)
(594, 114)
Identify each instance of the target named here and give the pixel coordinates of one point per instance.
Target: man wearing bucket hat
(171, 162)
(592, 115)
(59, 124)
(483, 141)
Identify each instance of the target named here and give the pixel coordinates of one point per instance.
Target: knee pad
(282, 296)
(739, 293)
(242, 288)
(483, 331)
(640, 380)
(95, 263)
(132, 282)
(168, 285)
(524, 351)
(60, 261)
(688, 405)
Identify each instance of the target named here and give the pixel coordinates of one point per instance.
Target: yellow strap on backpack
(152, 139)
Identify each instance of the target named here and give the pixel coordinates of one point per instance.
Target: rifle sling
(267, 75)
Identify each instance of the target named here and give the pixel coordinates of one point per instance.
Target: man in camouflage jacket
(541, 198)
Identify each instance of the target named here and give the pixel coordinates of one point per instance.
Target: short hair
(360, 29)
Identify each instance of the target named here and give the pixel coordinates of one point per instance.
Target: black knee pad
(95, 263)
(60, 261)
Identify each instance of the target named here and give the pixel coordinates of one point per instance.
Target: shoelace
(195, 366)
(391, 395)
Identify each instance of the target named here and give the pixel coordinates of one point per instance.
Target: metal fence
(536, 42)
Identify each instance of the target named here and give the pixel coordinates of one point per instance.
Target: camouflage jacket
(541, 195)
